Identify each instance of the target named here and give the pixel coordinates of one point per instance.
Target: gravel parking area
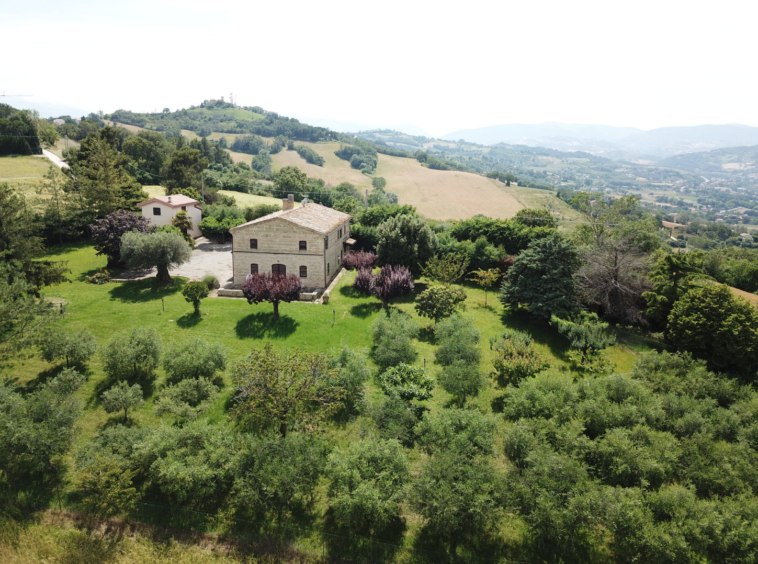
(207, 258)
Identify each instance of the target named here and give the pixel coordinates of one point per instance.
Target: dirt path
(54, 159)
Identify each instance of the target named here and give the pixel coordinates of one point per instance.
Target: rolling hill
(437, 194)
(614, 142)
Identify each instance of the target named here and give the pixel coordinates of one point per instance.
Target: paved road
(54, 158)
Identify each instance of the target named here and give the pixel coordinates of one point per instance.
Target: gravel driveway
(207, 258)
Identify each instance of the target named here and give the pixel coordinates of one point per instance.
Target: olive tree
(392, 336)
(187, 399)
(122, 396)
(276, 475)
(131, 356)
(37, 428)
(162, 250)
(194, 358)
(367, 485)
(72, 348)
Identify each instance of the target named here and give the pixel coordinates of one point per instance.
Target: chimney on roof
(289, 202)
(169, 199)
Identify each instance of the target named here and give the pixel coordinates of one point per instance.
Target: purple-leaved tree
(391, 282)
(272, 288)
(107, 233)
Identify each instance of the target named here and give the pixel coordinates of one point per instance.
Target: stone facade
(277, 241)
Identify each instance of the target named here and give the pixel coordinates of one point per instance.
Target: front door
(279, 269)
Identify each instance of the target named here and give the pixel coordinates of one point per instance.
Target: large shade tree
(183, 169)
(541, 279)
(161, 250)
(406, 240)
(715, 325)
(99, 173)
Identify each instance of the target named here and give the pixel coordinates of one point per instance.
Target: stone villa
(307, 241)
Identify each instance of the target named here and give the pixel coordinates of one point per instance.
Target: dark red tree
(357, 260)
(107, 233)
(392, 282)
(272, 288)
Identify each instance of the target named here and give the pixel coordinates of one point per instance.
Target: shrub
(309, 155)
(464, 431)
(457, 340)
(186, 399)
(73, 348)
(260, 210)
(439, 302)
(407, 382)
(516, 358)
(101, 277)
(392, 282)
(364, 281)
(358, 260)
(212, 282)
(392, 336)
(194, 358)
(194, 292)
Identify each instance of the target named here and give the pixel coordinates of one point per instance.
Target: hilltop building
(307, 241)
(161, 210)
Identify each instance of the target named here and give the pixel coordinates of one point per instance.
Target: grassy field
(334, 171)
(752, 298)
(57, 537)
(62, 143)
(440, 194)
(132, 128)
(24, 173)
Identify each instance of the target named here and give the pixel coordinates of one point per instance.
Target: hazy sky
(439, 65)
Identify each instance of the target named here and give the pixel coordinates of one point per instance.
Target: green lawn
(106, 310)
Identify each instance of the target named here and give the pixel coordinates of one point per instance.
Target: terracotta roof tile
(311, 216)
